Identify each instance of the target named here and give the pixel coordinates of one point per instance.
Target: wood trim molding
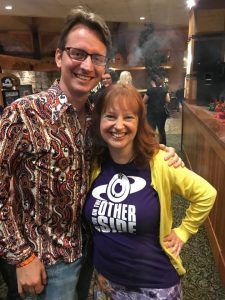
(27, 64)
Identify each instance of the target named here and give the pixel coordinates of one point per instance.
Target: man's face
(78, 78)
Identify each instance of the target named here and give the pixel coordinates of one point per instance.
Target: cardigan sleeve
(201, 195)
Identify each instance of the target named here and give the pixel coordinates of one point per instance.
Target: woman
(156, 98)
(125, 77)
(136, 251)
(109, 77)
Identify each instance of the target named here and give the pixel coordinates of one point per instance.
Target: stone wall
(40, 81)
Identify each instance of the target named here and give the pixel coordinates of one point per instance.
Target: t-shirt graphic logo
(119, 188)
(109, 215)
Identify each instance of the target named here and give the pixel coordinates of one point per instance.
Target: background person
(136, 250)
(180, 97)
(125, 78)
(155, 99)
(108, 78)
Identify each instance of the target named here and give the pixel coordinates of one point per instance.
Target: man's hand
(31, 278)
(174, 159)
(173, 243)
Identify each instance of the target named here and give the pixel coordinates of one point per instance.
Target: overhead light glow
(142, 18)
(8, 7)
(190, 3)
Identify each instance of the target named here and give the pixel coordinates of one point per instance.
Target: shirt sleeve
(13, 246)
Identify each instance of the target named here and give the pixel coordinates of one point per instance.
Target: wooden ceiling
(31, 28)
(170, 13)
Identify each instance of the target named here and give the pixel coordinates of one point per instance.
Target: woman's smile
(118, 127)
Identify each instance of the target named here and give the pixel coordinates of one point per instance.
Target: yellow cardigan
(168, 180)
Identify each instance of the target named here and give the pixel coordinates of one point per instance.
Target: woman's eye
(110, 117)
(129, 117)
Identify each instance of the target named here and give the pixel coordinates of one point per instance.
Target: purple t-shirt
(124, 211)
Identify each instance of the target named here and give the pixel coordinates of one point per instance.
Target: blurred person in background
(155, 99)
(180, 97)
(125, 78)
(108, 78)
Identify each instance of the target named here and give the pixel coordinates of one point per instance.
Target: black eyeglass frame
(94, 57)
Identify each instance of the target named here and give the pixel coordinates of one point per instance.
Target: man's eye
(78, 53)
(99, 58)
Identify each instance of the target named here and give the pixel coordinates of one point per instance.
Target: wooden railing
(203, 143)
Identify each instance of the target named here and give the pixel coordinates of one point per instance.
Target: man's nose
(87, 63)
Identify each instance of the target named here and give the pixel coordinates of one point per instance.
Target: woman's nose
(119, 123)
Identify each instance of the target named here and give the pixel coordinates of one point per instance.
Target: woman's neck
(121, 158)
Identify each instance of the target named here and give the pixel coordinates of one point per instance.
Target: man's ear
(58, 57)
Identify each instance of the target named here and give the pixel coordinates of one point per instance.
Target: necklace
(120, 175)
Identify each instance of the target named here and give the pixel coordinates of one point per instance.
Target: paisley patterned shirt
(43, 148)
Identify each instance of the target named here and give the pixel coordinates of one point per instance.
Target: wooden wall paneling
(219, 220)
(210, 20)
(16, 63)
(48, 42)
(17, 42)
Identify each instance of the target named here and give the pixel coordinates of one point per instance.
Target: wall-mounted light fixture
(8, 7)
(190, 3)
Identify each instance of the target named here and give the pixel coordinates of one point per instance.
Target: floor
(174, 123)
(202, 280)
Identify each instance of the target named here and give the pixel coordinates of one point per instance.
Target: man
(45, 146)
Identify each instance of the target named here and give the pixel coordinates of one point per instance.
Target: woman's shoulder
(158, 162)
(159, 155)
(158, 159)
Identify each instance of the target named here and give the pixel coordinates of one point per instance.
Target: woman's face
(118, 126)
(106, 79)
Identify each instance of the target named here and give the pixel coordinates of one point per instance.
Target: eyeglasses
(81, 55)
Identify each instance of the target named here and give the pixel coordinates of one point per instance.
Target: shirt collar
(59, 102)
